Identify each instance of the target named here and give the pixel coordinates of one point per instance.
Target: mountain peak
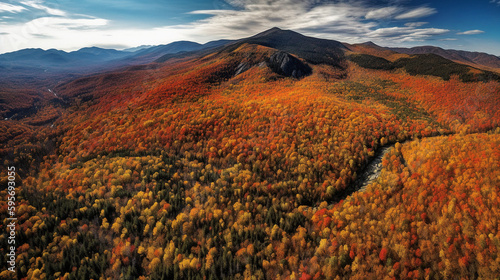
(370, 43)
(273, 31)
(90, 48)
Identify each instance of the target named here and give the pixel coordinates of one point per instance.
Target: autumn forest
(241, 162)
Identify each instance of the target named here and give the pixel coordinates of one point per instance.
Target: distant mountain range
(35, 75)
(60, 59)
(156, 52)
(478, 58)
(88, 60)
(29, 75)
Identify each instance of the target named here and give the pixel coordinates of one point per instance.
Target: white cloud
(4, 7)
(55, 29)
(404, 34)
(69, 23)
(470, 32)
(51, 32)
(382, 13)
(339, 21)
(417, 13)
(257, 15)
(37, 4)
(448, 39)
(415, 24)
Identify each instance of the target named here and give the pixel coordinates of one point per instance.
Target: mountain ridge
(479, 58)
(314, 50)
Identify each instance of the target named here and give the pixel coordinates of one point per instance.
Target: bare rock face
(287, 65)
(242, 67)
(279, 62)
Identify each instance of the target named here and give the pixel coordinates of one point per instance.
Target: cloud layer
(345, 20)
(417, 13)
(350, 21)
(9, 8)
(471, 32)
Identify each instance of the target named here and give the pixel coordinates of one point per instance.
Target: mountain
(217, 43)
(60, 58)
(60, 61)
(138, 48)
(155, 52)
(95, 53)
(426, 64)
(467, 57)
(432, 61)
(475, 59)
(201, 50)
(152, 53)
(34, 57)
(371, 48)
(92, 59)
(163, 52)
(313, 50)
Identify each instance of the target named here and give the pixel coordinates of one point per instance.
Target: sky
(73, 24)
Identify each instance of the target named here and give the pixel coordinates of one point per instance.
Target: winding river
(371, 172)
(368, 175)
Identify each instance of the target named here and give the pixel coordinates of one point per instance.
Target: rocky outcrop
(287, 65)
(279, 62)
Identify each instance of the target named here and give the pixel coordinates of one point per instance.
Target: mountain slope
(373, 49)
(176, 49)
(152, 53)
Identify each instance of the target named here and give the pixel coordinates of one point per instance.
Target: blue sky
(73, 24)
